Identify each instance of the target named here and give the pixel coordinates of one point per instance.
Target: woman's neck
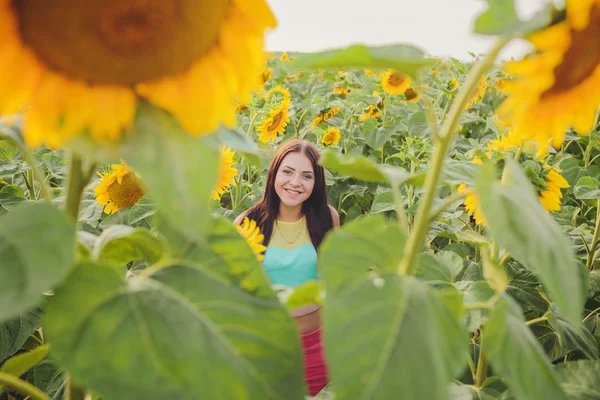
(289, 214)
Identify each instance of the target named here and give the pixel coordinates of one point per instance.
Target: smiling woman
(294, 217)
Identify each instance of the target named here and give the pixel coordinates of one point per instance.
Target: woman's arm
(240, 218)
(335, 217)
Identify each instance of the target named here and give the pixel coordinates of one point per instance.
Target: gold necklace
(283, 237)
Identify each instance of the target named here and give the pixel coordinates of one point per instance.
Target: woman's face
(295, 179)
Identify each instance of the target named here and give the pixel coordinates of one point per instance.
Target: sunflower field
(468, 261)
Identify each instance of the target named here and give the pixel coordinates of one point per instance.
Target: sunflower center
(120, 41)
(410, 94)
(396, 79)
(127, 193)
(276, 121)
(581, 59)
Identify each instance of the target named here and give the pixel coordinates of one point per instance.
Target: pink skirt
(315, 370)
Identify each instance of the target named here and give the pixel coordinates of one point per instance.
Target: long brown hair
(315, 208)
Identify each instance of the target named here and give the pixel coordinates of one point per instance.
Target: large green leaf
(519, 223)
(442, 267)
(378, 323)
(49, 378)
(517, 357)
(178, 169)
(15, 331)
(121, 244)
(193, 330)
(458, 172)
(23, 362)
(363, 168)
(502, 19)
(572, 338)
(37, 244)
(580, 379)
(401, 57)
(587, 187)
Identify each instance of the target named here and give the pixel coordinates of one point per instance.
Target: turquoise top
(291, 258)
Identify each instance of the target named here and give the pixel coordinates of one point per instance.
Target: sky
(441, 28)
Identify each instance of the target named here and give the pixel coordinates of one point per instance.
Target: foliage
(166, 299)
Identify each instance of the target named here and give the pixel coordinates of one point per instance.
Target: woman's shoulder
(335, 217)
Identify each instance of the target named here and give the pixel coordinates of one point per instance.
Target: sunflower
(370, 72)
(285, 56)
(328, 113)
(550, 197)
(119, 188)
(241, 107)
(251, 232)
(479, 93)
(275, 123)
(279, 91)
(331, 137)
(226, 172)
(394, 82)
(452, 84)
(267, 74)
(341, 90)
(472, 204)
(556, 87)
(84, 66)
(412, 95)
(372, 112)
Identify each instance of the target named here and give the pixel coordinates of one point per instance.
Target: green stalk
(22, 387)
(447, 131)
(29, 185)
(78, 180)
(482, 366)
(30, 159)
(595, 238)
(74, 392)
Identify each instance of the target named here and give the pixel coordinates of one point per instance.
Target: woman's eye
(287, 171)
(308, 177)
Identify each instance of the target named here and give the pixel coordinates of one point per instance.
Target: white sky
(439, 27)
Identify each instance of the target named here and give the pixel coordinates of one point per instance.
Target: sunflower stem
(78, 180)
(74, 392)
(30, 159)
(22, 387)
(417, 236)
(591, 256)
(482, 366)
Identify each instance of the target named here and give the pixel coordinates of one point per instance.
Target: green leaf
(239, 143)
(517, 357)
(587, 188)
(23, 362)
(37, 244)
(579, 379)
(459, 172)
(307, 293)
(524, 287)
(15, 331)
(178, 169)
(417, 125)
(403, 58)
(403, 321)
(379, 137)
(8, 150)
(179, 331)
(49, 378)
(572, 338)
(121, 244)
(502, 19)
(475, 292)
(442, 267)
(363, 168)
(383, 202)
(519, 223)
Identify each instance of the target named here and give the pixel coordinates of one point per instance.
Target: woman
(294, 217)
